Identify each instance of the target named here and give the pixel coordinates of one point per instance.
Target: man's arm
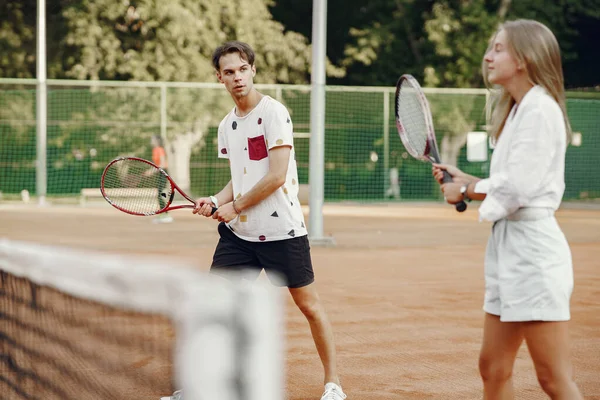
(204, 205)
(279, 158)
(226, 194)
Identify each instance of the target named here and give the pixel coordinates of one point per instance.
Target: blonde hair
(535, 46)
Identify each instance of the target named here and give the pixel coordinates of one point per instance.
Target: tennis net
(82, 325)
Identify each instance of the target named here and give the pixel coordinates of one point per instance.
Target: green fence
(88, 125)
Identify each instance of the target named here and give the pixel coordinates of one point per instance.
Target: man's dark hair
(246, 52)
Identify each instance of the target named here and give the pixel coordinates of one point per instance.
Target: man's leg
(290, 259)
(307, 300)
(234, 258)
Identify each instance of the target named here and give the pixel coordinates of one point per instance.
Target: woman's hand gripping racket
(138, 187)
(415, 125)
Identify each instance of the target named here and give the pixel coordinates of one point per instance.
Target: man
(262, 224)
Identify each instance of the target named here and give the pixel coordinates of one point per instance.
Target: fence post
(163, 112)
(41, 176)
(317, 126)
(386, 142)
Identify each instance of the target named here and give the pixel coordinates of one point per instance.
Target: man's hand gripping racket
(139, 187)
(415, 125)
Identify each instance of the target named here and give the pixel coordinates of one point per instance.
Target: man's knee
(308, 302)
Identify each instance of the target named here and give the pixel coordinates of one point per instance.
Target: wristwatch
(464, 192)
(214, 201)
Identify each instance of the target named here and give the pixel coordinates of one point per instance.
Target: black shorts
(286, 262)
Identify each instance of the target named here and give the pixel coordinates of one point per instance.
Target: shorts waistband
(530, 214)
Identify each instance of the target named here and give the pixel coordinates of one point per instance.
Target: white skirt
(528, 268)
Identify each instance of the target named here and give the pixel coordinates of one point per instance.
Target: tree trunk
(503, 9)
(412, 41)
(179, 152)
(451, 145)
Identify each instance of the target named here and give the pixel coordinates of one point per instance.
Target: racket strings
(413, 118)
(137, 187)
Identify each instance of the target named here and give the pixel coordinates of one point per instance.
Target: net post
(41, 178)
(317, 125)
(386, 142)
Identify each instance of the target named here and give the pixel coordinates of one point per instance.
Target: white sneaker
(333, 392)
(178, 395)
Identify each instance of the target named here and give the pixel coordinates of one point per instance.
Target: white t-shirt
(528, 164)
(246, 142)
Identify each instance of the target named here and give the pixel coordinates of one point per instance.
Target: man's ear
(218, 74)
(253, 70)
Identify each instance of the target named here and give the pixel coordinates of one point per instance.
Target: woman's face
(501, 64)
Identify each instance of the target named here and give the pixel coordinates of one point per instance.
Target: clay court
(403, 288)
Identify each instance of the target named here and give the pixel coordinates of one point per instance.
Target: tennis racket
(415, 125)
(138, 187)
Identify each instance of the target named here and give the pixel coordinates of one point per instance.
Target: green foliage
(173, 40)
(441, 42)
(389, 43)
(149, 40)
(460, 34)
(17, 39)
(576, 24)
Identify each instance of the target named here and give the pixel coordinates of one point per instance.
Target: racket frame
(431, 149)
(431, 153)
(167, 206)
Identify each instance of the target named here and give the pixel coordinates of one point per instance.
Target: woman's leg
(501, 342)
(550, 349)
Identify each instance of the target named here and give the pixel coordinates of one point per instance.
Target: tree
(17, 39)
(173, 40)
(375, 41)
(575, 23)
(460, 31)
(393, 43)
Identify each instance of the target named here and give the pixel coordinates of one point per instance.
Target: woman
(528, 266)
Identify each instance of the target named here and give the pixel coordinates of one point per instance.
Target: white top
(528, 164)
(245, 141)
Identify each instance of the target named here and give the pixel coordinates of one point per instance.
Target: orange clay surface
(403, 289)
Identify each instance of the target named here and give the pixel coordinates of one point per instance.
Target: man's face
(236, 74)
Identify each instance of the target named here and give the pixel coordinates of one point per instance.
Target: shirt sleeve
(482, 186)
(222, 142)
(533, 147)
(279, 128)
